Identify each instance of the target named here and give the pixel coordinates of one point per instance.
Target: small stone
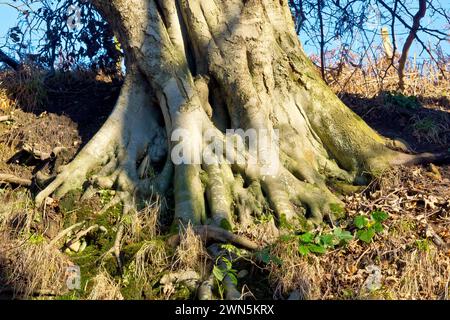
(103, 229)
(295, 295)
(242, 274)
(75, 247)
(49, 201)
(435, 173)
(373, 281)
(83, 246)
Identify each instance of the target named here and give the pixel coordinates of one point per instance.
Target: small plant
(402, 101)
(105, 196)
(222, 270)
(266, 257)
(313, 243)
(36, 239)
(423, 245)
(368, 227)
(427, 129)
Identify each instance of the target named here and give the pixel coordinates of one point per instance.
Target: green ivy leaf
(307, 237)
(218, 273)
(361, 222)
(233, 278)
(286, 238)
(316, 248)
(343, 236)
(380, 216)
(303, 250)
(227, 263)
(264, 255)
(327, 240)
(276, 260)
(366, 235)
(378, 227)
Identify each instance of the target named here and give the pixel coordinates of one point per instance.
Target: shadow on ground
(422, 122)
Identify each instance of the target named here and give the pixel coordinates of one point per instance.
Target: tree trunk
(202, 65)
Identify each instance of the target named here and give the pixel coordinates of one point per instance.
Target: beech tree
(204, 65)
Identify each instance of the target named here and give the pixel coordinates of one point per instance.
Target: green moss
(70, 201)
(345, 188)
(129, 251)
(284, 224)
(338, 210)
(423, 245)
(133, 290)
(299, 223)
(225, 224)
(182, 293)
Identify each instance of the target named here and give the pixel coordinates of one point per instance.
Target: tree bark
(202, 65)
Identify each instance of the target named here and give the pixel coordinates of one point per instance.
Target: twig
(5, 118)
(81, 234)
(63, 233)
(43, 156)
(11, 179)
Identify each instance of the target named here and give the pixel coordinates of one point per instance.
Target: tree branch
(8, 60)
(412, 35)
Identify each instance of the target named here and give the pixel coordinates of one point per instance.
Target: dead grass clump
(16, 212)
(293, 274)
(151, 260)
(190, 253)
(426, 274)
(104, 288)
(25, 87)
(32, 267)
(144, 225)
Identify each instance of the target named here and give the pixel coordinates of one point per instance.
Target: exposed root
(13, 180)
(82, 233)
(422, 158)
(115, 250)
(205, 291)
(117, 154)
(216, 234)
(65, 232)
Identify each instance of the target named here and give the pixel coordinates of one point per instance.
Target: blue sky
(8, 18)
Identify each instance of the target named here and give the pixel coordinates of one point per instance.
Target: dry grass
(16, 212)
(32, 267)
(104, 288)
(25, 88)
(151, 260)
(29, 266)
(190, 253)
(375, 74)
(294, 273)
(144, 224)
